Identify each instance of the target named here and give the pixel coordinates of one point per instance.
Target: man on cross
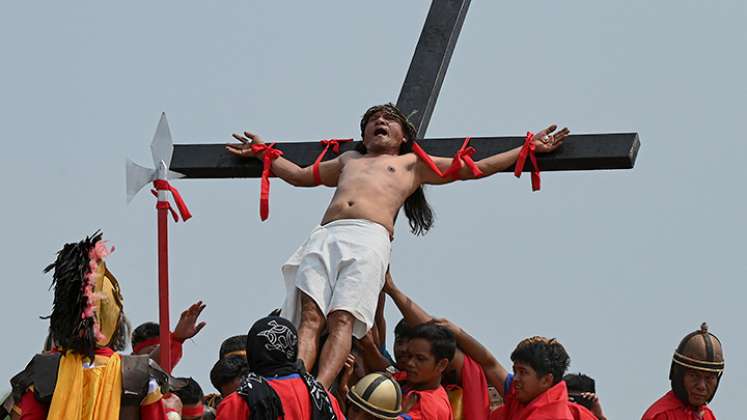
(334, 279)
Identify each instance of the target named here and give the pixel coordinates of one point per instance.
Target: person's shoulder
(664, 404)
(233, 406)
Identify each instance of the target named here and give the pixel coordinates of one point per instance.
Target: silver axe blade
(161, 150)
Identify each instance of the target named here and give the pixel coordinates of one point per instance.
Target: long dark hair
(418, 211)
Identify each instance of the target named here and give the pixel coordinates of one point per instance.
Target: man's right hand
(244, 149)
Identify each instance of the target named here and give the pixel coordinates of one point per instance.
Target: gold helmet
(378, 395)
(699, 350)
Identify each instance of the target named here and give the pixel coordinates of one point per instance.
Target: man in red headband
(334, 279)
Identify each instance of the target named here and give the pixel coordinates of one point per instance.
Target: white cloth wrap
(341, 267)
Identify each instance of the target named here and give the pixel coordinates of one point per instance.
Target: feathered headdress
(87, 308)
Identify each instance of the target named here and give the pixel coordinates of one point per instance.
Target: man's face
(355, 413)
(421, 365)
(699, 385)
(528, 383)
(383, 132)
(400, 352)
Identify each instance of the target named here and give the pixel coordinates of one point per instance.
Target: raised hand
(547, 141)
(187, 327)
(244, 149)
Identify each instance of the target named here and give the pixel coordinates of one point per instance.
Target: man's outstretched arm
(544, 141)
(495, 373)
(286, 170)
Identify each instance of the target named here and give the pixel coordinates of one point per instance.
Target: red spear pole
(163, 281)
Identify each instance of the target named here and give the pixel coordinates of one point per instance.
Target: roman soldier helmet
(378, 395)
(87, 308)
(699, 350)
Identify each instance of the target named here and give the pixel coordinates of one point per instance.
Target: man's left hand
(187, 327)
(547, 141)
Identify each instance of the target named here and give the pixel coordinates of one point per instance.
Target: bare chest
(378, 171)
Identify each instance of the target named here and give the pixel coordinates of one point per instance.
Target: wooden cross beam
(418, 99)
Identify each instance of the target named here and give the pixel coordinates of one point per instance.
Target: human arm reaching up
(283, 168)
(545, 141)
(495, 373)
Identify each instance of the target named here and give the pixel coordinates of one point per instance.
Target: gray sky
(617, 265)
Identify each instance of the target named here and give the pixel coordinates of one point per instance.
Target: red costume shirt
(669, 407)
(432, 405)
(550, 405)
(580, 412)
(293, 394)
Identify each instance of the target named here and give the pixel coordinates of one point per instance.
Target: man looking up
(334, 278)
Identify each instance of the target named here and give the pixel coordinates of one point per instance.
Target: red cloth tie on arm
(164, 185)
(269, 153)
(528, 149)
(335, 144)
(462, 157)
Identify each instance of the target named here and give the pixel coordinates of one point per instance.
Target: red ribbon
(137, 348)
(528, 149)
(335, 144)
(462, 157)
(269, 153)
(163, 185)
(197, 410)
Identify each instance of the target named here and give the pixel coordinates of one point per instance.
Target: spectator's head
(539, 364)
(226, 374)
(375, 396)
(402, 333)
(272, 344)
(429, 351)
(145, 338)
(697, 366)
(578, 384)
(233, 346)
(191, 397)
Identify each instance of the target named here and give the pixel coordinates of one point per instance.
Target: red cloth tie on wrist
(164, 185)
(335, 144)
(462, 157)
(528, 149)
(269, 154)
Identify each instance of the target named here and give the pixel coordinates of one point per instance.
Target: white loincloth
(341, 267)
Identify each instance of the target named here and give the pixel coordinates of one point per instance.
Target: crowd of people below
(436, 370)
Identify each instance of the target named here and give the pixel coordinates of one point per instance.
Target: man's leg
(337, 347)
(312, 324)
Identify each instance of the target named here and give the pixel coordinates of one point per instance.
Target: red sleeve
(154, 411)
(580, 412)
(31, 409)
(176, 351)
(475, 400)
(233, 407)
(336, 406)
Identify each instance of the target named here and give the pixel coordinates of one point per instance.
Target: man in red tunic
(277, 386)
(697, 366)
(429, 351)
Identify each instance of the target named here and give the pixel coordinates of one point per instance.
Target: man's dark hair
(578, 382)
(443, 343)
(402, 330)
(227, 369)
(543, 355)
(191, 393)
(237, 343)
(418, 211)
(145, 331)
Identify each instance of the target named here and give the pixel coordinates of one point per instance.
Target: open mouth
(381, 131)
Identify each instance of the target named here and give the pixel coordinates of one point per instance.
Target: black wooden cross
(419, 93)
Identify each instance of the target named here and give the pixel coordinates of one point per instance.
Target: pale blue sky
(617, 265)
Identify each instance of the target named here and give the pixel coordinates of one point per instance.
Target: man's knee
(311, 315)
(340, 320)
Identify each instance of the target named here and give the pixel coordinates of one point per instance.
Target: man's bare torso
(373, 187)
